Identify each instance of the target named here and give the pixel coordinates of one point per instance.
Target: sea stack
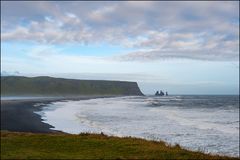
(161, 93)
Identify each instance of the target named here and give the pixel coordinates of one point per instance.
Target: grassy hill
(90, 146)
(44, 86)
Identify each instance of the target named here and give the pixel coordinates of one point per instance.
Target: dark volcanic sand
(19, 116)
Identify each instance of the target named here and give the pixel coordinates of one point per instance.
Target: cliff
(49, 86)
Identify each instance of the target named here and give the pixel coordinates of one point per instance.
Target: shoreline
(19, 115)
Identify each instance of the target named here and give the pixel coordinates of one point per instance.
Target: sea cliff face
(49, 86)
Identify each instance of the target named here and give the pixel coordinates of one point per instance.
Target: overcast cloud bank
(156, 30)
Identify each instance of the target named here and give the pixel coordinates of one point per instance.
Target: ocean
(202, 123)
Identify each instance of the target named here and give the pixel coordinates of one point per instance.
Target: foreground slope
(89, 146)
(49, 86)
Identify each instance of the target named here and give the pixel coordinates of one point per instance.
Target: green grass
(89, 146)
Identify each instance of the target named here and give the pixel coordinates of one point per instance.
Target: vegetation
(89, 146)
(49, 86)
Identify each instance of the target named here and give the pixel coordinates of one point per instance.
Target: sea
(201, 123)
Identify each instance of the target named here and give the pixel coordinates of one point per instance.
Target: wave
(203, 122)
(191, 127)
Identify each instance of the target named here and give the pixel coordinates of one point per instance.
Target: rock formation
(161, 93)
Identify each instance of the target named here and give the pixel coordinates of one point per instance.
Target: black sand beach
(19, 116)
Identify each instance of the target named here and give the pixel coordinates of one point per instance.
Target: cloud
(100, 15)
(6, 73)
(153, 55)
(52, 55)
(195, 30)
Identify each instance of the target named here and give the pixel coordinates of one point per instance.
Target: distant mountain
(5, 73)
(44, 86)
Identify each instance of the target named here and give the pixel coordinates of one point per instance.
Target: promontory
(49, 86)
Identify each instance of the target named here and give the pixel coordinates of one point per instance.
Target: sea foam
(173, 119)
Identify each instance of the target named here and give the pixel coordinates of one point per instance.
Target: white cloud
(71, 15)
(51, 54)
(196, 30)
(100, 15)
(199, 54)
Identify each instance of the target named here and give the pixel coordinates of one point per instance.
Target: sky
(179, 47)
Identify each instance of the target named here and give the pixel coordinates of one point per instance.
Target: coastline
(18, 115)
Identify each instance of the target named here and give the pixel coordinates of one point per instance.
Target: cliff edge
(49, 86)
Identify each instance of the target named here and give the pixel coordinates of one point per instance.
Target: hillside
(90, 146)
(49, 86)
